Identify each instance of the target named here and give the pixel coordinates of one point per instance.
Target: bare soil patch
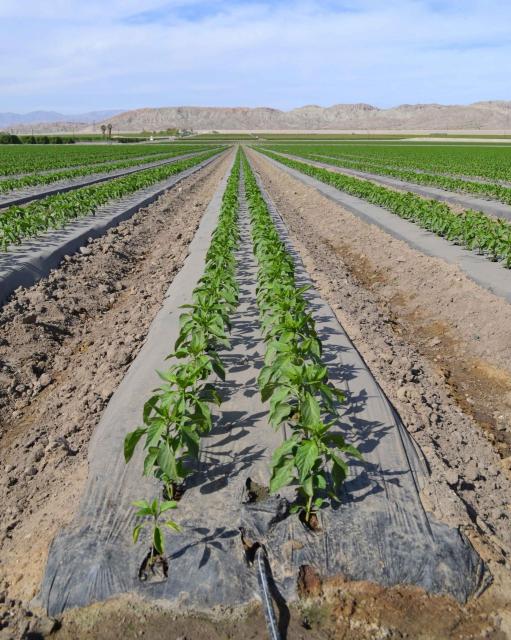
(65, 344)
(327, 610)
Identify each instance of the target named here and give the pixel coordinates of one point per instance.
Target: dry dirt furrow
(65, 344)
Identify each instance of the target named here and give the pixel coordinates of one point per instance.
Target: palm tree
(109, 127)
(103, 129)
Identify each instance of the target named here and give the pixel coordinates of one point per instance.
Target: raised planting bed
(492, 275)
(24, 264)
(372, 524)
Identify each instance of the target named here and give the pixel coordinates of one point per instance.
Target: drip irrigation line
(261, 561)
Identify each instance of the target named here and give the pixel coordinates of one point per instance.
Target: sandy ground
(65, 344)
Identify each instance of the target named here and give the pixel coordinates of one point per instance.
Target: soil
(327, 610)
(65, 344)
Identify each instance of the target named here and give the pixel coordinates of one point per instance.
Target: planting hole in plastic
(154, 568)
(255, 492)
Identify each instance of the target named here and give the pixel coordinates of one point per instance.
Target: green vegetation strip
(20, 222)
(293, 378)
(490, 163)
(471, 229)
(178, 414)
(495, 191)
(66, 174)
(27, 159)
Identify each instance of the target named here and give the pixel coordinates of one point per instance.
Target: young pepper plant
(178, 413)
(293, 378)
(154, 510)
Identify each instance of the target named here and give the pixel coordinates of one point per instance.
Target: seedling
(153, 512)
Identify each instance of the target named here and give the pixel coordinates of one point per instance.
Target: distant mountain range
(38, 117)
(484, 116)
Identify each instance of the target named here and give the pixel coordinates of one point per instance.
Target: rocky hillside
(494, 115)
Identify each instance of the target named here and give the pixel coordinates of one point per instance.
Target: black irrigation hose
(261, 562)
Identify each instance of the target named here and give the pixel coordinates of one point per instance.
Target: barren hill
(493, 115)
(484, 116)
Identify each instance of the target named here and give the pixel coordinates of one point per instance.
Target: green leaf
(131, 441)
(142, 504)
(305, 457)
(169, 504)
(218, 368)
(283, 450)
(310, 411)
(136, 532)
(154, 432)
(173, 525)
(279, 413)
(282, 475)
(339, 471)
(167, 462)
(353, 451)
(158, 542)
(150, 460)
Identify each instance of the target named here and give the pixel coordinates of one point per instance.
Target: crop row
(20, 159)
(178, 415)
(66, 174)
(53, 212)
(294, 378)
(488, 162)
(471, 229)
(495, 191)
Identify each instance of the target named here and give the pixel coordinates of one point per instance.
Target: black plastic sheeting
(380, 532)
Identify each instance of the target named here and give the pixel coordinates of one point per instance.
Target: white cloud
(127, 53)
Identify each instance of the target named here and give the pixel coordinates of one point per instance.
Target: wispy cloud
(72, 55)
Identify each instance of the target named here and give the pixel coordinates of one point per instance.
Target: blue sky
(81, 55)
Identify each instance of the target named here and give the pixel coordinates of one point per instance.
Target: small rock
(45, 380)
(434, 342)
(452, 478)
(85, 251)
(31, 471)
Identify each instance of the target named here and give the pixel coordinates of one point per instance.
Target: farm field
(244, 392)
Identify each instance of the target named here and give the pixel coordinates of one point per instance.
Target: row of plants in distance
(178, 414)
(66, 174)
(12, 138)
(294, 378)
(491, 162)
(53, 212)
(471, 229)
(23, 159)
(495, 191)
